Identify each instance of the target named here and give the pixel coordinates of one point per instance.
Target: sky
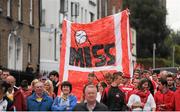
(173, 17)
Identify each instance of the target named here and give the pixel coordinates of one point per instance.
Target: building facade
(52, 14)
(19, 34)
(80, 11)
(50, 35)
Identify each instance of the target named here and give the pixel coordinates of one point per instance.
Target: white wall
(52, 12)
(49, 49)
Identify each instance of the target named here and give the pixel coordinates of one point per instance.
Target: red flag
(103, 45)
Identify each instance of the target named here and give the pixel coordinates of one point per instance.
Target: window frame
(20, 10)
(31, 12)
(9, 8)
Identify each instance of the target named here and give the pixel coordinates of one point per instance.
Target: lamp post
(154, 55)
(173, 56)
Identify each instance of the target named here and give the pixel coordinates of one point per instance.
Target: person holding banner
(108, 78)
(91, 77)
(113, 96)
(67, 101)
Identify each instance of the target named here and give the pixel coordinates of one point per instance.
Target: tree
(175, 37)
(174, 40)
(177, 54)
(148, 17)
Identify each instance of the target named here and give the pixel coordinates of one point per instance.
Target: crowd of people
(145, 91)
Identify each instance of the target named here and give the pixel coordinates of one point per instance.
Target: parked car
(169, 69)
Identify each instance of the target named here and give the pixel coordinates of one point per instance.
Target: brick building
(19, 33)
(114, 6)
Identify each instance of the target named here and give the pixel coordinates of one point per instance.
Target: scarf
(143, 95)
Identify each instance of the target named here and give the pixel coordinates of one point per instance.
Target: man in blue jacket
(39, 100)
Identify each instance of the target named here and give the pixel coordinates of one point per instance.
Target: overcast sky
(173, 17)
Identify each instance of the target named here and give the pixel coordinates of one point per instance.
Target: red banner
(100, 46)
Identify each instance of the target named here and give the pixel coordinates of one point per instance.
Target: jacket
(19, 102)
(34, 105)
(10, 104)
(114, 98)
(177, 99)
(3, 104)
(61, 104)
(83, 107)
(167, 99)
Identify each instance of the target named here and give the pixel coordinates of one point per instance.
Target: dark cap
(146, 71)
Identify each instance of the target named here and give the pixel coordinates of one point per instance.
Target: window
(31, 13)
(9, 8)
(92, 2)
(113, 10)
(106, 7)
(61, 17)
(29, 53)
(20, 10)
(74, 9)
(85, 15)
(100, 12)
(82, 14)
(0, 8)
(63, 6)
(15, 50)
(91, 16)
(18, 49)
(43, 17)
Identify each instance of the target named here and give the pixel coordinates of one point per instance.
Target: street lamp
(154, 55)
(173, 56)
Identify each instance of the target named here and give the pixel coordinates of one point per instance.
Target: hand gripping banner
(100, 46)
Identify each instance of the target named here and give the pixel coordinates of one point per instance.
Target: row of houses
(30, 30)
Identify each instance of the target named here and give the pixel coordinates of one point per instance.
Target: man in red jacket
(177, 94)
(164, 98)
(15, 95)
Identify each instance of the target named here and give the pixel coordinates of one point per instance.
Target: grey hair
(90, 86)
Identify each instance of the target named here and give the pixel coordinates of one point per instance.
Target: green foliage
(177, 54)
(148, 17)
(160, 62)
(175, 37)
(173, 40)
